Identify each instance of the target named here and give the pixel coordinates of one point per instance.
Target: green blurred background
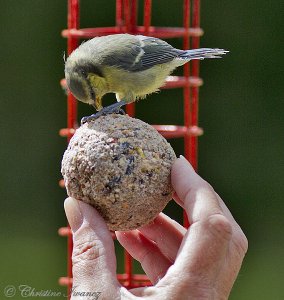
(240, 154)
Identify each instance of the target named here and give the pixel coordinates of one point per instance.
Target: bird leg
(111, 109)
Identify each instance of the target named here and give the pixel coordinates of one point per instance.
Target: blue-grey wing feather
(142, 54)
(156, 52)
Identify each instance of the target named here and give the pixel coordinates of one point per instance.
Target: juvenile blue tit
(131, 66)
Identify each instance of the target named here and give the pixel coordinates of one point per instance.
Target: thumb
(93, 257)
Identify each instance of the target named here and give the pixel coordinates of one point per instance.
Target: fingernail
(187, 162)
(73, 213)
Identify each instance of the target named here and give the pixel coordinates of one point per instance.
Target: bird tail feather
(202, 53)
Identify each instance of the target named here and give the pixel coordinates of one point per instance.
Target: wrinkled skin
(199, 263)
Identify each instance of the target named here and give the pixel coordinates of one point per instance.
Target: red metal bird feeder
(126, 22)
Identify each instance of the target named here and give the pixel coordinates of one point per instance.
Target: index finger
(203, 250)
(195, 194)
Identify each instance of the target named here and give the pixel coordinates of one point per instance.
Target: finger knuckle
(241, 243)
(220, 225)
(86, 250)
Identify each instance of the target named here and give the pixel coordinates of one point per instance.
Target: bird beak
(98, 104)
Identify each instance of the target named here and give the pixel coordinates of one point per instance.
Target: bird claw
(112, 109)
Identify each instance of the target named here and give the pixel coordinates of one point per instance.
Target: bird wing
(141, 54)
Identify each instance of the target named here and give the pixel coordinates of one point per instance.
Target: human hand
(199, 263)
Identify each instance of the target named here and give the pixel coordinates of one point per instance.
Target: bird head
(85, 81)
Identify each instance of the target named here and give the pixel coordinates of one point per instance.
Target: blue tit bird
(131, 66)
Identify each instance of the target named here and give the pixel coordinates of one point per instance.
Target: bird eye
(84, 73)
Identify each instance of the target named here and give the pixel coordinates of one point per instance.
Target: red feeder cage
(126, 22)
